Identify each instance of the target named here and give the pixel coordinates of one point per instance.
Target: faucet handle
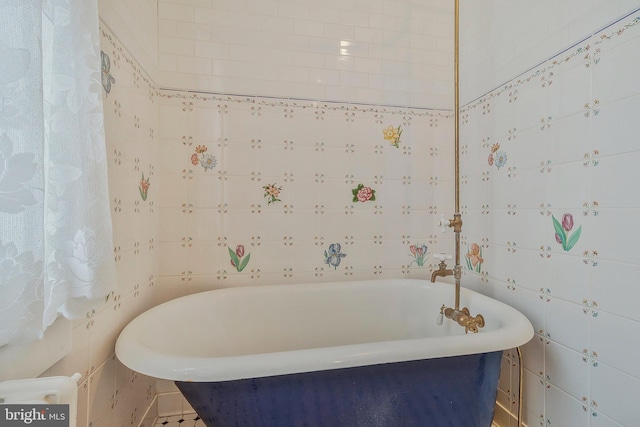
(443, 223)
(442, 256)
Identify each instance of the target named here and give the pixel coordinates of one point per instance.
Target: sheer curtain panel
(56, 248)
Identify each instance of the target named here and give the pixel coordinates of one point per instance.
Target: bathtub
(359, 353)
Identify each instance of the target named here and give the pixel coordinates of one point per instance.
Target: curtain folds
(55, 226)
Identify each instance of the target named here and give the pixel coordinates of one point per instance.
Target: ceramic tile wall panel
(268, 190)
(547, 164)
(109, 393)
(136, 24)
(504, 38)
(378, 52)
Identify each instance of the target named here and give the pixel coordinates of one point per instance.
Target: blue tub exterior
(455, 391)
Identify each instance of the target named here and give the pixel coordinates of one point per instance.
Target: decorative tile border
(290, 107)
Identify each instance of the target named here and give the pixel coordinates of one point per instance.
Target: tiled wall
(501, 39)
(136, 25)
(317, 154)
(367, 51)
(559, 141)
(109, 393)
(566, 145)
(280, 179)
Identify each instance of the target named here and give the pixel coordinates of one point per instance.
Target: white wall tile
(609, 348)
(564, 148)
(613, 288)
(286, 33)
(174, 11)
(566, 369)
(561, 409)
(613, 392)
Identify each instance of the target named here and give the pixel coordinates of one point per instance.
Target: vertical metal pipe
(456, 68)
(520, 387)
(456, 119)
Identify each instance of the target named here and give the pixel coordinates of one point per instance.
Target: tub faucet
(463, 318)
(442, 270)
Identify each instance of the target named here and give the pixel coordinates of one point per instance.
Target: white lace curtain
(55, 226)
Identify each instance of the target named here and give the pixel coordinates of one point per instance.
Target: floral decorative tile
(334, 255)
(363, 194)
(200, 157)
(272, 193)
(563, 228)
(392, 135)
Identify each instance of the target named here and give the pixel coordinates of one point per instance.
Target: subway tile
(293, 42)
(338, 31)
(322, 13)
(322, 76)
(368, 35)
(175, 79)
(194, 65)
(223, 68)
(337, 62)
(168, 62)
(167, 28)
(177, 46)
(292, 10)
(324, 45)
(353, 79)
(176, 12)
(355, 49)
(309, 28)
(293, 74)
(357, 17)
(193, 31)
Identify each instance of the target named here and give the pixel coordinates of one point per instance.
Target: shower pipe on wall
(462, 316)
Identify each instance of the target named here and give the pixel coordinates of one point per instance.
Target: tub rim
(515, 330)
